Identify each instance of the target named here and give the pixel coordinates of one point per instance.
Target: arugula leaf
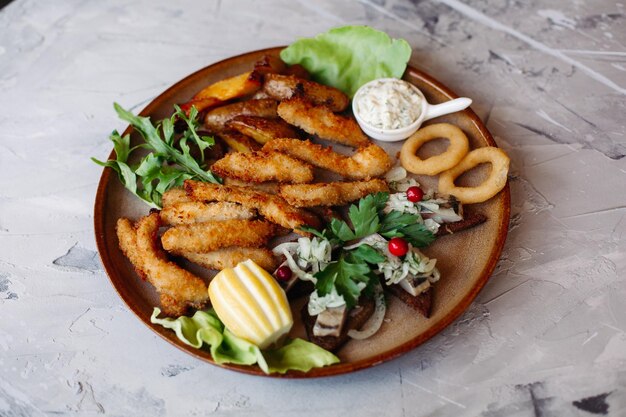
(344, 276)
(166, 166)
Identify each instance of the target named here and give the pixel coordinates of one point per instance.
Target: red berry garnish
(283, 273)
(398, 246)
(414, 194)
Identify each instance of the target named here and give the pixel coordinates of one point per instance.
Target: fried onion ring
(458, 148)
(491, 186)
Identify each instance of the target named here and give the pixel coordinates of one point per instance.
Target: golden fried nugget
(140, 245)
(321, 121)
(230, 257)
(262, 167)
(367, 162)
(215, 120)
(174, 196)
(330, 194)
(272, 207)
(283, 87)
(199, 212)
(210, 236)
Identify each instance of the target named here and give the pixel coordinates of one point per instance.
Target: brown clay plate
(465, 260)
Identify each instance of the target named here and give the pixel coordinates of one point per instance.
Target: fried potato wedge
(174, 196)
(238, 142)
(230, 257)
(262, 129)
(199, 212)
(215, 120)
(330, 194)
(270, 64)
(262, 167)
(227, 89)
(179, 288)
(272, 207)
(368, 162)
(321, 121)
(297, 71)
(210, 236)
(283, 87)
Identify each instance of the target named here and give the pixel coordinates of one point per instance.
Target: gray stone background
(546, 337)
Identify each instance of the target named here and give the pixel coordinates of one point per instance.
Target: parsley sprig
(169, 162)
(352, 273)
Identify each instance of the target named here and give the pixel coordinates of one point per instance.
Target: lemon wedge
(251, 304)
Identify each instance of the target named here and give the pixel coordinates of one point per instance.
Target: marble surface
(547, 335)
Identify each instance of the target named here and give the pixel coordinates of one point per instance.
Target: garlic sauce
(389, 104)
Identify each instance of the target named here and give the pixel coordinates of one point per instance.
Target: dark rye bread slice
(469, 220)
(357, 317)
(423, 303)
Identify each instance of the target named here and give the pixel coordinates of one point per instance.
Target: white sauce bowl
(428, 112)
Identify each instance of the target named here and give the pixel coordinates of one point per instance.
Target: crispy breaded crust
(174, 196)
(272, 207)
(321, 121)
(127, 237)
(263, 166)
(330, 194)
(198, 212)
(182, 287)
(367, 162)
(215, 120)
(262, 129)
(264, 187)
(230, 257)
(283, 87)
(210, 236)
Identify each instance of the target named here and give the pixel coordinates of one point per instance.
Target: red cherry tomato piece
(414, 194)
(398, 246)
(283, 273)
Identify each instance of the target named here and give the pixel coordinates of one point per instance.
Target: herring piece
(415, 286)
(330, 321)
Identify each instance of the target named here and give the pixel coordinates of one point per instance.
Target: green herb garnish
(352, 272)
(169, 162)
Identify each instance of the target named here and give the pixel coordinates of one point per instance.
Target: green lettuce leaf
(204, 327)
(350, 56)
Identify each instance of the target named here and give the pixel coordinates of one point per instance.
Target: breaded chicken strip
(179, 288)
(230, 257)
(210, 236)
(262, 129)
(215, 120)
(367, 162)
(174, 196)
(321, 121)
(264, 187)
(330, 194)
(283, 87)
(272, 207)
(262, 167)
(199, 212)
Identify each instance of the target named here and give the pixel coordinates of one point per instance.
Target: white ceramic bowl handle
(451, 106)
